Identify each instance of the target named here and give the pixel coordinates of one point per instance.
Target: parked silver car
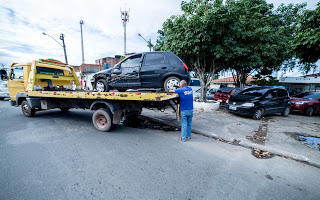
(4, 93)
(210, 94)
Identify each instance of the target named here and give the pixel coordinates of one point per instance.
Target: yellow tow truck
(45, 84)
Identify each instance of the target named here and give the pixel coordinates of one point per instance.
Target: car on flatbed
(44, 85)
(159, 69)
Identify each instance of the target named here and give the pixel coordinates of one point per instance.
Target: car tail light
(186, 67)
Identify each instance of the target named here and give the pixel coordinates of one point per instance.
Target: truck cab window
(17, 73)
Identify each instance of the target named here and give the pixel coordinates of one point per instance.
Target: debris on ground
(258, 153)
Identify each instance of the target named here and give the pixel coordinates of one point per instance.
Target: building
(228, 82)
(296, 85)
(108, 62)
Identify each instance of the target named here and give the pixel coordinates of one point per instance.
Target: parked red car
(307, 103)
(224, 94)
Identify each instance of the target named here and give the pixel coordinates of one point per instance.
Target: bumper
(299, 108)
(247, 111)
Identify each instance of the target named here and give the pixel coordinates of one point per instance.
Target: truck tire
(171, 83)
(102, 86)
(102, 119)
(27, 110)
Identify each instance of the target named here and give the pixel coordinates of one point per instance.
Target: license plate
(219, 100)
(233, 107)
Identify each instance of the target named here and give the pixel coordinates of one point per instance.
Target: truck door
(16, 82)
(126, 74)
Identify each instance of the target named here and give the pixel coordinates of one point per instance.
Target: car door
(16, 82)
(271, 102)
(154, 66)
(283, 99)
(126, 74)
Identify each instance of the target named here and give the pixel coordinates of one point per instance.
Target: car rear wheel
(286, 112)
(171, 83)
(309, 111)
(102, 86)
(27, 110)
(257, 114)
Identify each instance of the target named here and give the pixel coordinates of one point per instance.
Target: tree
(306, 42)
(238, 35)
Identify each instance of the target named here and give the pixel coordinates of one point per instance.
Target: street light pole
(150, 45)
(63, 46)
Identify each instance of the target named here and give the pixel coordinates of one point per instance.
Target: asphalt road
(58, 155)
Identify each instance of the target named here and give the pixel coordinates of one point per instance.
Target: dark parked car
(306, 102)
(144, 70)
(224, 94)
(259, 101)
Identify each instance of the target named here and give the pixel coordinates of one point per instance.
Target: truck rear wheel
(102, 119)
(27, 110)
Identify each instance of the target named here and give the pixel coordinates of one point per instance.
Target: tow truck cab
(47, 75)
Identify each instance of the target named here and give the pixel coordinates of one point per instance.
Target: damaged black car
(150, 70)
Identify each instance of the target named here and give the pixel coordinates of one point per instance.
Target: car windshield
(254, 92)
(308, 95)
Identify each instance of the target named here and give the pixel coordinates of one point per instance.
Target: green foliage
(306, 42)
(122, 57)
(243, 36)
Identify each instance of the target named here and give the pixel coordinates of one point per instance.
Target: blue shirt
(186, 98)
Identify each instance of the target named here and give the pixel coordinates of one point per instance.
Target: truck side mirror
(11, 74)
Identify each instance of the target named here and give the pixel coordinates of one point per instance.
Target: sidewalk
(280, 131)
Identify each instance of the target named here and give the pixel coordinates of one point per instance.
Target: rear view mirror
(116, 71)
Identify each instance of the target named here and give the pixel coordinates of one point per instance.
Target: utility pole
(81, 23)
(64, 47)
(125, 19)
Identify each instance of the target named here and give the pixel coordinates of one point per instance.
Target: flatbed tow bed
(109, 107)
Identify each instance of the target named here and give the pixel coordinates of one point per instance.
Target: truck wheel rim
(172, 83)
(25, 108)
(100, 87)
(101, 121)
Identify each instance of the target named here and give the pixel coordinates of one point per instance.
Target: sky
(22, 23)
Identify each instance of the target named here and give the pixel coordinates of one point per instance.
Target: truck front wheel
(102, 119)
(27, 110)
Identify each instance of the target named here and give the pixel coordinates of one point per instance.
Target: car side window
(155, 59)
(133, 61)
(17, 73)
(271, 94)
(282, 93)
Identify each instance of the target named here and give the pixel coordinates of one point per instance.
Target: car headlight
(300, 102)
(227, 101)
(248, 105)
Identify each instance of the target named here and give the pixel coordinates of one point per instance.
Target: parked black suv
(259, 101)
(144, 70)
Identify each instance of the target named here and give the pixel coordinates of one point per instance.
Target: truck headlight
(300, 102)
(248, 105)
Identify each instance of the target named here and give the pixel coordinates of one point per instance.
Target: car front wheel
(171, 83)
(257, 114)
(102, 86)
(309, 111)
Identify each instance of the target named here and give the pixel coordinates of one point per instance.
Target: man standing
(186, 107)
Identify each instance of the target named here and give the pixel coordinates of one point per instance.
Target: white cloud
(23, 21)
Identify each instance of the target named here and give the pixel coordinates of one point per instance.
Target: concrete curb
(245, 144)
